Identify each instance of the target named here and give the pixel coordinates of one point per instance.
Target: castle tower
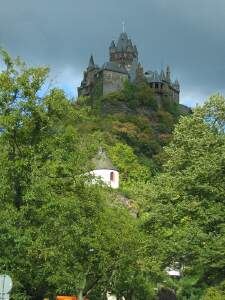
(91, 64)
(139, 73)
(91, 70)
(124, 52)
(123, 65)
(168, 79)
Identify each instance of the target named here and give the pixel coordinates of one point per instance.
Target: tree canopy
(59, 234)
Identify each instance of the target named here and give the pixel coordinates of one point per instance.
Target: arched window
(112, 176)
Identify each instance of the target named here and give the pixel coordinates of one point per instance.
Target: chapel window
(112, 176)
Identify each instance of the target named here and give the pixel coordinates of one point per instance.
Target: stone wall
(113, 81)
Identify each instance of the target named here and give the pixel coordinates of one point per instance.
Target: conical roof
(112, 45)
(135, 49)
(162, 76)
(176, 84)
(122, 42)
(129, 44)
(102, 161)
(156, 77)
(91, 62)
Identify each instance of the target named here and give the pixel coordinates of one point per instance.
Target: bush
(213, 293)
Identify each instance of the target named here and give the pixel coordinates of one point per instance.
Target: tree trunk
(133, 296)
(81, 289)
(80, 295)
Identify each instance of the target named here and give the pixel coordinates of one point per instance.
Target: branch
(92, 286)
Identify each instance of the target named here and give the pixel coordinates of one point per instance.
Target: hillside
(135, 117)
(61, 235)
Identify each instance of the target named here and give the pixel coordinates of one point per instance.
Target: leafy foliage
(186, 205)
(60, 234)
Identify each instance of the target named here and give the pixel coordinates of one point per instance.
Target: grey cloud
(188, 35)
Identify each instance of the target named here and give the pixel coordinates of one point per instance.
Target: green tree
(127, 163)
(59, 234)
(186, 204)
(213, 294)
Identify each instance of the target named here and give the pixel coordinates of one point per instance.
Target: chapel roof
(102, 161)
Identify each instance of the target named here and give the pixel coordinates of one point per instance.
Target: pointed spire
(122, 42)
(123, 23)
(162, 76)
(91, 62)
(112, 46)
(130, 46)
(129, 43)
(168, 73)
(177, 84)
(135, 50)
(156, 77)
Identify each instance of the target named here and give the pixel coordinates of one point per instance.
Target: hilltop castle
(123, 65)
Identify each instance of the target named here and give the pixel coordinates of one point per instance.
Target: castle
(123, 65)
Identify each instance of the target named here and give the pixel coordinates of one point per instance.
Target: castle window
(156, 85)
(112, 176)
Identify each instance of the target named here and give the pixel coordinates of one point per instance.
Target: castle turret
(162, 76)
(123, 52)
(112, 51)
(112, 46)
(139, 73)
(130, 46)
(91, 64)
(89, 78)
(135, 51)
(168, 79)
(157, 77)
(176, 85)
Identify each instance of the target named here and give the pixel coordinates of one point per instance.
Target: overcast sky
(189, 35)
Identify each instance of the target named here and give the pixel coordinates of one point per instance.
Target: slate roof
(176, 84)
(112, 66)
(135, 49)
(152, 76)
(155, 77)
(112, 45)
(122, 42)
(129, 43)
(162, 76)
(91, 64)
(101, 161)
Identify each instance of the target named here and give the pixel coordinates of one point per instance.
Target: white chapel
(104, 170)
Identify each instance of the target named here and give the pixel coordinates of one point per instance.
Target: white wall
(104, 175)
(111, 297)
